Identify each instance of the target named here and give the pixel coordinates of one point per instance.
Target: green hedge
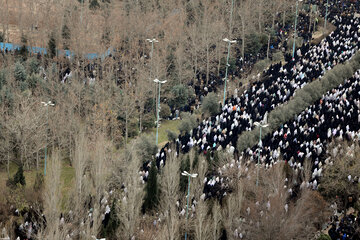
(303, 98)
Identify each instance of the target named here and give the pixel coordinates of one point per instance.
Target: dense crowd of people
(280, 83)
(335, 115)
(344, 227)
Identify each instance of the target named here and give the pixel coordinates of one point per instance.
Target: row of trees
(190, 32)
(190, 36)
(265, 211)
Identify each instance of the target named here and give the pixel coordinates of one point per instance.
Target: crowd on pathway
(335, 115)
(344, 225)
(280, 83)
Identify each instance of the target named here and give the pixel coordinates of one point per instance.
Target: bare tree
(131, 201)
(170, 195)
(52, 197)
(266, 211)
(344, 167)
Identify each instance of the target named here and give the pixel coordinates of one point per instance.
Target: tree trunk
(140, 119)
(126, 122)
(311, 18)
(8, 163)
(243, 38)
(7, 21)
(284, 18)
(268, 47)
(26, 161)
(70, 149)
(219, 61)
(269, 40)
(207, 64)
(260, 16)
(196, 65)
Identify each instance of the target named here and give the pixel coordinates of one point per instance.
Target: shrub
(146, 147)
(171, 135)
(133, 128)
(278, 56)
(33, 65)
(290, 44)
(20, 72)
(246, 140)
(210, 104)
(324, 237)
(32, 81)
(261, 65)
(23, 86)
(255, 42)
(180, 96)
(342, 71)
(164, 111)
(148, 121)
(187, 123)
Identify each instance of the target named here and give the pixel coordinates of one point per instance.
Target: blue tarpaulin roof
(67, 53)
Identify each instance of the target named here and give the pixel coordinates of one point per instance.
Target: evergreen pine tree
(152, 190)
(110, 226)
(2, 78)
(39, 182)
(208, 157)
(23, 50)
(185, 166)
(94, 4)
(196, 159)
(33, 65)
(32, 81)
(20, 72)
(52, 46)
(19, 177)
(66, 36)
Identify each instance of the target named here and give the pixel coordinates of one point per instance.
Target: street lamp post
(227, 65)
(295, 33)
(49, 103)
(326, 14)
(231, 17)
(158, 109)
(152, 41)
(262, 124)
(189, 175)
(81, 11)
